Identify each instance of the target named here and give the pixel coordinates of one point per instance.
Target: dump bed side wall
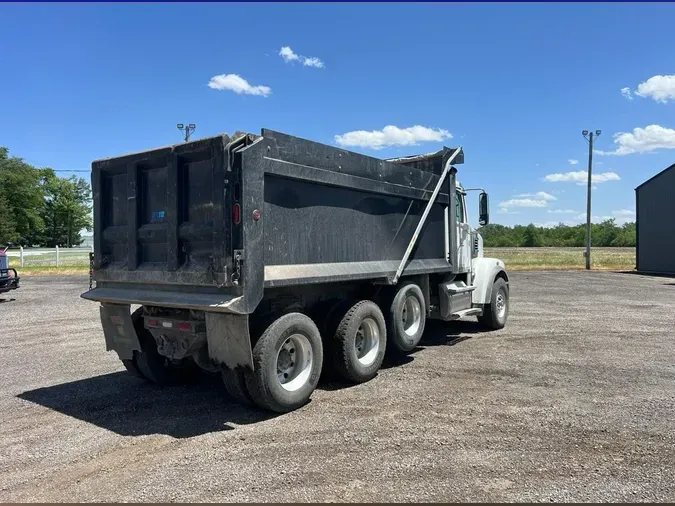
(334, 215)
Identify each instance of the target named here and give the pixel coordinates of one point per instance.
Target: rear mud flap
(229, 340)
(118, 329)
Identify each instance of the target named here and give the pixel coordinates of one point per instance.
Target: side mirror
(483, 209)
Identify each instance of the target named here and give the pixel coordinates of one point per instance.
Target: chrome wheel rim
(500, 303)
(367, 341)
(294, 362)
(411, 316)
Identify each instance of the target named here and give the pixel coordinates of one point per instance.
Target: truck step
(466, 312)
(458, 287)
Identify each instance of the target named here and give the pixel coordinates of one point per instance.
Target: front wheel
(497, 311)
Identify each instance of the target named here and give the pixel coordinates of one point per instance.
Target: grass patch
(65, 270)
(519, 259)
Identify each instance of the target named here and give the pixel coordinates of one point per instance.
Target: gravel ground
(573, 401)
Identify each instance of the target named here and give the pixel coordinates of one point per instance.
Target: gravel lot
(573, 401)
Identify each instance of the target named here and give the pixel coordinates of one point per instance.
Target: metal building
(655, 208)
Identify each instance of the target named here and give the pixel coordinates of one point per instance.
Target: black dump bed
(210, 223)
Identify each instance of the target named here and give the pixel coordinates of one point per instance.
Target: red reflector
(184, 326)
(117, 320)
(153, 323)
(236, 214)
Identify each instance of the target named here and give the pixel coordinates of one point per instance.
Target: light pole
(589, 137)
(187, 128)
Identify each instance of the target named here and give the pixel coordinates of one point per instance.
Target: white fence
(49, 257)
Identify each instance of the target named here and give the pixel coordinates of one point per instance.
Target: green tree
(67, 211)
(531, 237)
(604, 234)
(37, 208)
(23, 196)
(7, 225)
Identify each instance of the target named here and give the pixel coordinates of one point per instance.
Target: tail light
(236, 214)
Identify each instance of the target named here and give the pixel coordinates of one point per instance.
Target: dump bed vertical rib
(172, 212)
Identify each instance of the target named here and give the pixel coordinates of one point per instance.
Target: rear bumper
(217, 303)
(8, 283)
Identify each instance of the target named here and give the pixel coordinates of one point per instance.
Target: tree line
(605, 234)
(38, 208)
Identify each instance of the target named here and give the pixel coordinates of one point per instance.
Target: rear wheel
(287, 363)
(148, 364)
(407, 318)
(497, 311)
(235, 386)
(360, 342)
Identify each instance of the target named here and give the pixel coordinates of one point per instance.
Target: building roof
(655, 176)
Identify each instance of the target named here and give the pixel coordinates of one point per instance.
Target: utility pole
(589, 137)
(187, 128)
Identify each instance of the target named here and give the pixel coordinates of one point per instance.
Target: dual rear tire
(288, 358)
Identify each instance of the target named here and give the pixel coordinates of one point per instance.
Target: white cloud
(313, 61)
(627, 93)
(642, 140)
(573, 162)
(658, 88)
(538, 195)
(624, 213)
(237, 84)
(308, 61)
(522, 203)
(553, 224)
(392, 136)
(624, 216)
(562, 211)
(504, 210)
(581, 177)
(288, 55)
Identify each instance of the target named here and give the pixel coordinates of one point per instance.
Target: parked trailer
(268, 258)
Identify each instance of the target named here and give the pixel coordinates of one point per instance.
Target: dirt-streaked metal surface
(573, 401)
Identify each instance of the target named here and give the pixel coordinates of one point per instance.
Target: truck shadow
(436, 333)
(120, 403)
(130, 407)
(3, 300)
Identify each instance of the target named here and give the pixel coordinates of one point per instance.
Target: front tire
(496, 313)
(360, 342)
(287, 363)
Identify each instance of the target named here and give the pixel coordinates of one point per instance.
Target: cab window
(459, 210)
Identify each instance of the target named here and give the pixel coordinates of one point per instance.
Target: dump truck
(7, 282)
(269, 259)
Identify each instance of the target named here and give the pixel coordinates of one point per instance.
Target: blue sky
(514, 84)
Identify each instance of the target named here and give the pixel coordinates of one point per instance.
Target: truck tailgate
(163, 216)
